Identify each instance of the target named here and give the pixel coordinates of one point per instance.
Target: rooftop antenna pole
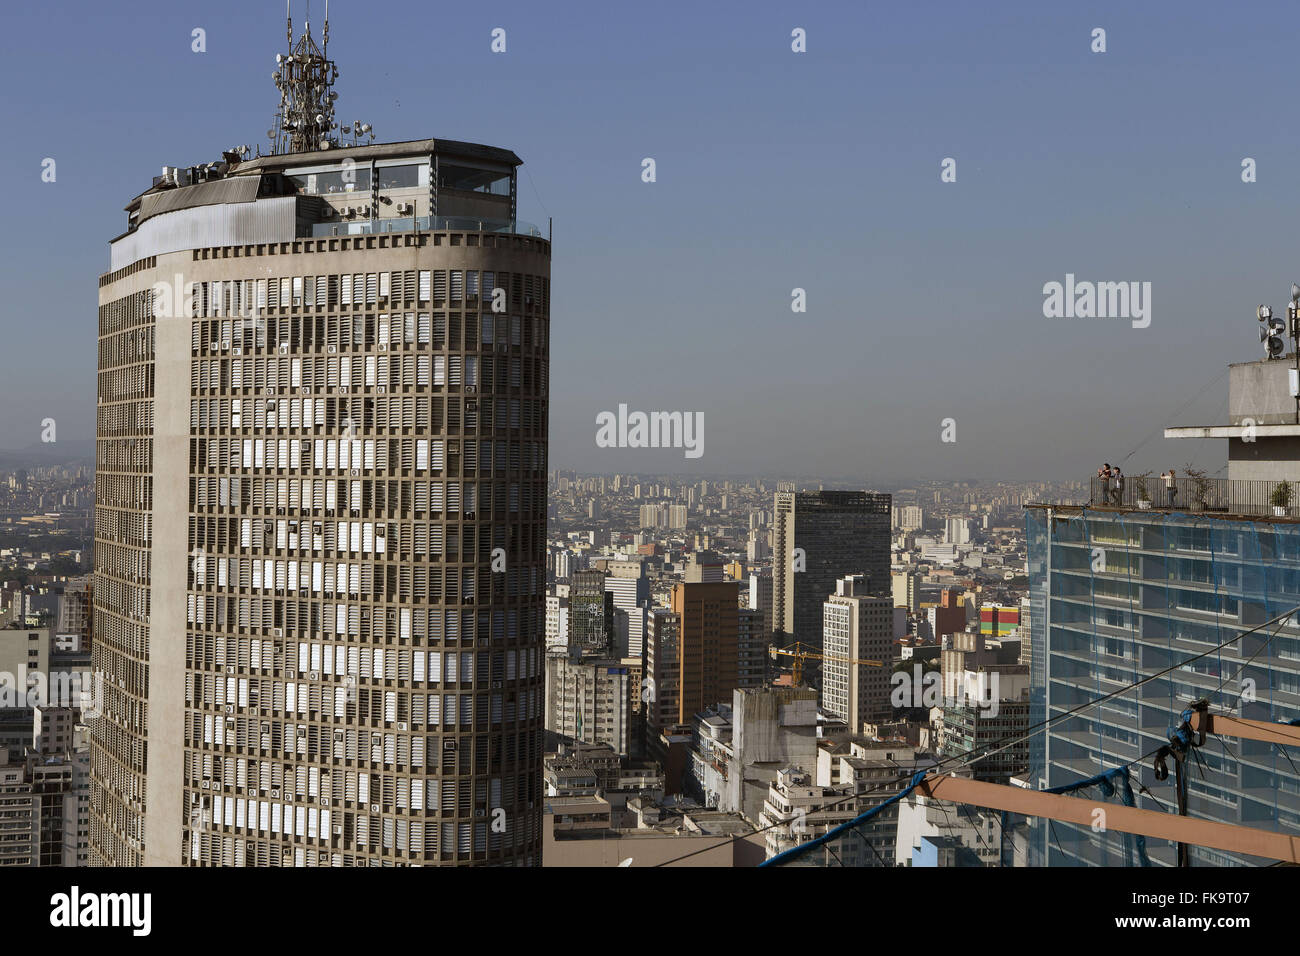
(325, 37)
(288, 19)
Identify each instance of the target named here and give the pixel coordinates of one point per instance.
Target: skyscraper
(320, 505)
(630, 589)
(708, 650)
(818, 538)
(591, 615)
(1123, 595)
(857, 627)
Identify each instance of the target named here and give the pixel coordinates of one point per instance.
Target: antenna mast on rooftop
(305, 78)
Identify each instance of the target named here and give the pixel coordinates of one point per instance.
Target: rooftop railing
(1229, 496)
(369, 227)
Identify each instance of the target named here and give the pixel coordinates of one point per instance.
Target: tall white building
(957, 530)
(557, 618)
(857, 626)
(677, 515)
(631, 596)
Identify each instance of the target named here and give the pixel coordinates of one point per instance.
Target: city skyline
(597, 450)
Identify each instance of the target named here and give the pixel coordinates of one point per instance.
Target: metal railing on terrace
(369, 227)
(1228, 496)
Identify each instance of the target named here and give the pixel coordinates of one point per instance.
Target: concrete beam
(1151, 823)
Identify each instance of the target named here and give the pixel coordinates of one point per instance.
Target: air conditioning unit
(313, 675)
(277, 632)
(331, 349)
(230, 708)
(305, 390)
(230, 669)
(284, 350)
(206, 785)
(214, 346)
(237, 350)
(374, 808)
(382, 346)
(268, 390)
(381, 389)
(401, 725)
(343, 389)
(275, 794)
(338, 829)
(470, 389)
(338, 736)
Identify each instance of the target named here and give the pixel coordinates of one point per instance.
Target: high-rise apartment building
(904, 590)
(630, 590)
(1121, 591)
(44, 793)
(320, 505)
(911, 518)
(677, 517)
(956, 530)
(818, 538)
(662, 693)
(856, 626)
(589, 699)
(708, 651)
(591, 614)
(752, 642)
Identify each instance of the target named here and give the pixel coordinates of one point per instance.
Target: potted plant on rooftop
(1143, 499)
(1280, 499)
(1200, 487)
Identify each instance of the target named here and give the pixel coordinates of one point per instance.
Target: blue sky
(775, 170)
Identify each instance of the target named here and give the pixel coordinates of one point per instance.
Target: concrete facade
(311, 450)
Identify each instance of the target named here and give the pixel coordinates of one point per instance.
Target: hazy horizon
(775, 170)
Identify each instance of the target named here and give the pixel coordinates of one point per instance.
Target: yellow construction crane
(801, 652)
